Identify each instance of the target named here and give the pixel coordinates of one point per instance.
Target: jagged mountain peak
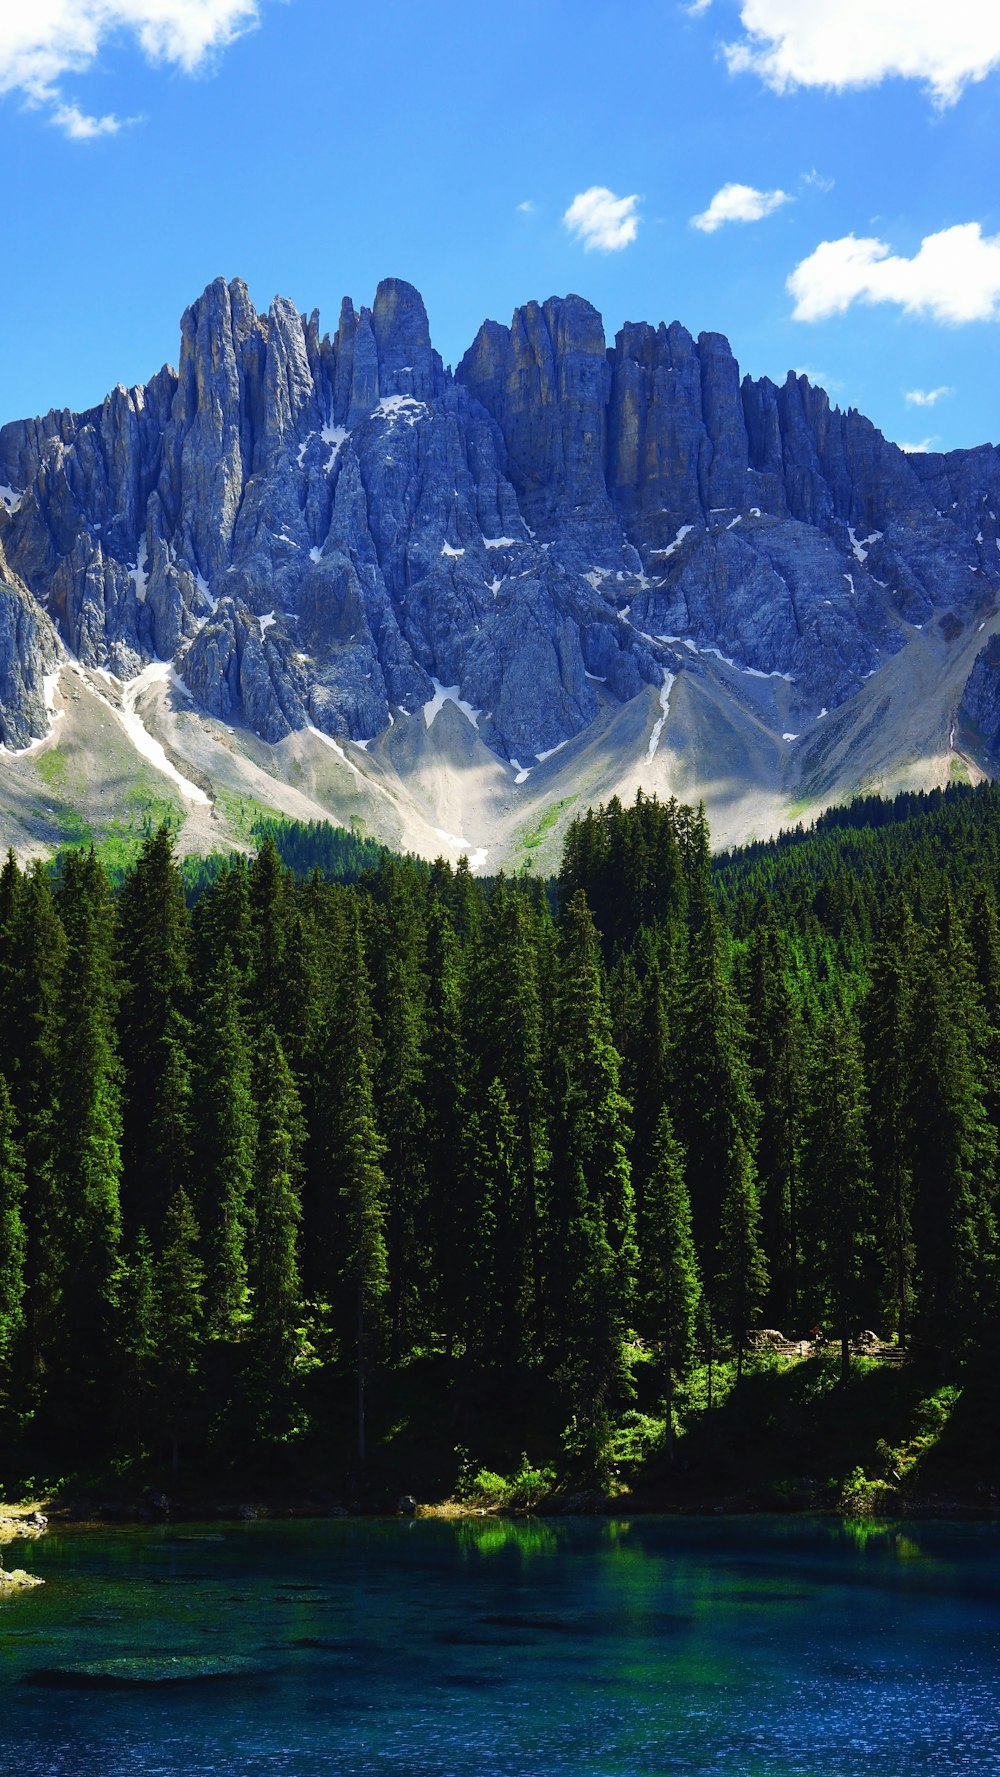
(322, 530)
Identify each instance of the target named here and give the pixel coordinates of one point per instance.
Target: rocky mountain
(560, 570)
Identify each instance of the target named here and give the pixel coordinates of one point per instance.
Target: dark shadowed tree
(669, 1284)
(839, 1186)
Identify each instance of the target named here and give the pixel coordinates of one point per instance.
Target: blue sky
(312, 147)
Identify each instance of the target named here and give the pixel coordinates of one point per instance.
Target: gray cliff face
(29, 649)
(318, 528)
(980, 706)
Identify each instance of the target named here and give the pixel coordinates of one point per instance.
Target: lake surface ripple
(763, 1647)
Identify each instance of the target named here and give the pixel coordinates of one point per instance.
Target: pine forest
(361, 1182)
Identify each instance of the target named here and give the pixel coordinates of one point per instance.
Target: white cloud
(954, 277)
(44, 41)
(927, 397)
(848, 43)
(603, 222)
(738, 203)
(918, 450)
(527, 208)
(697, 6)
(80, 127)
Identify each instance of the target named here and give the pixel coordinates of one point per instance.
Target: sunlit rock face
(319, 529)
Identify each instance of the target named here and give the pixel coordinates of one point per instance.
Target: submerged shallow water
(758, 1647)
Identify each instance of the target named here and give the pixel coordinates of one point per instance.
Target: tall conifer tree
(669, 1284)
(841, 1201)
(178, 1280)
(155, 1043)
(715, 1112)
(776, 1061)
(445, 1106)
(494, 1311)
(88, 1159)
(35, 971)
(399, 990)
(741, 1275)
(357, 1254)
(273, 1247)
(224, 1118)
(13, 1244)
(954, 1150)
(889, 1035)
(591, 1232)
(505, 1041)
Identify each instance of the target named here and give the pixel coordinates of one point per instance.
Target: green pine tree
(714, 1109)
(178, 1282)
(775, 1053)
(445, 1094)
(13, 1244)
(34, 970)
(135, 1358)
(226, 1135)
(155, 1038)
(840, 1192)
(269, 899)
(504, 1025)
(591, 1226)
(669, 1284)
(953, 1157)
(274, 1335)
(889, 1034)
(88, 1144)
(355, 1178)
(741, 1276)
(493, 1314)
(399, 997)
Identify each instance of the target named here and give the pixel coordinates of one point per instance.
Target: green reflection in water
(512, 1648)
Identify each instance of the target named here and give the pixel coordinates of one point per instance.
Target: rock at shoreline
(18, 1580)
(27, 1525)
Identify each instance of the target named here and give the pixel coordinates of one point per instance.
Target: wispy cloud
(527, 208)
(603, 222)
(45, 41)
(819, 180)
(927, 397)
(79, 126)
(849, 43)
(738, 203)
(954, 277)
(918, 450)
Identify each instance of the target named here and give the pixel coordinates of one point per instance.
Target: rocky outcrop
(319, 529)
(980, 706)
(29, 649)
(546, 381)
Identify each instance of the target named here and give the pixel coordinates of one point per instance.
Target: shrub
(519, 1492)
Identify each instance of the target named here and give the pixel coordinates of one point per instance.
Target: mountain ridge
(567, 567)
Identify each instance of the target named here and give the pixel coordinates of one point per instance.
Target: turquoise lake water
(760, 1647)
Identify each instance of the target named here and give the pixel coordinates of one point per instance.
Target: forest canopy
(312, 1127)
